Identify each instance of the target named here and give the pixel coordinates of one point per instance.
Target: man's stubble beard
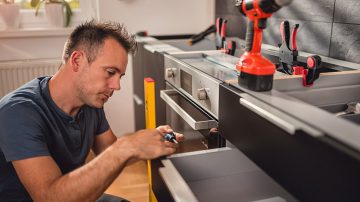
(85, 95)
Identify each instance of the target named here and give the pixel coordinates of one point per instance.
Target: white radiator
(16, 73)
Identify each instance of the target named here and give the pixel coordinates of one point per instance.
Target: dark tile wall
(236, 22)
(327, 27)
(345, 42)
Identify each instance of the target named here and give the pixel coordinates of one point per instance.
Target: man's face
(98, 80)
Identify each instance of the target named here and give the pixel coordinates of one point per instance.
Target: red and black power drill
(256, 72)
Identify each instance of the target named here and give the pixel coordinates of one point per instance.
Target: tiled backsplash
(327, 27)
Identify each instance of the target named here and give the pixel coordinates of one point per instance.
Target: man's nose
(115, 83)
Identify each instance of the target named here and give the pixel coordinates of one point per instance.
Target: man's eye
(111, 72)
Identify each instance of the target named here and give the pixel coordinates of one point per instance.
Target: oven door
(186, 117)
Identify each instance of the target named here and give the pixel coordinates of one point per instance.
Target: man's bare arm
(44, 181)
(103, 141)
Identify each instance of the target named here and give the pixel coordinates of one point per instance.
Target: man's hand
(166, 129)
(150, 143)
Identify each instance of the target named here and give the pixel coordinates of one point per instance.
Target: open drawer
(219, 175)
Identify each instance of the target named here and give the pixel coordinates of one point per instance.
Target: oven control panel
(195, 84)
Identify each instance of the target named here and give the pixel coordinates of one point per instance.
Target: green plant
(68, 12)
(8, 1)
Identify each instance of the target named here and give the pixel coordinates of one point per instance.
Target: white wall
(158, 17)
(34, 44)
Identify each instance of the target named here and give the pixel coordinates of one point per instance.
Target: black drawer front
(307, 167)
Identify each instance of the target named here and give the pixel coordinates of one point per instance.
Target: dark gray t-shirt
(32, 125)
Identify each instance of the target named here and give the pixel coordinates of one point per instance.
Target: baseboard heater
(13, 74)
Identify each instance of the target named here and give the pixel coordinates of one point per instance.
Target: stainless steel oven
(192, 100)
(184, 116)
(191, 96)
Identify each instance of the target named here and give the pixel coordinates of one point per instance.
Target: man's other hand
(149, 143)
(167, 129)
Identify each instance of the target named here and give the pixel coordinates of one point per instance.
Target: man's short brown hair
(89, 37)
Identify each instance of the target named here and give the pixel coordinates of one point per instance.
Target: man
(49, 125)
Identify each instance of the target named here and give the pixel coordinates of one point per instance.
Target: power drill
(256, 72)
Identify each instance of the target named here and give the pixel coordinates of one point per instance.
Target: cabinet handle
(287, 123)
(137, 100)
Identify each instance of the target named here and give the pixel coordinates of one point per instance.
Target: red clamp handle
(223, 28)
(218, 24)
(293, 37)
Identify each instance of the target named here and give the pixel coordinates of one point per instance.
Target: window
(25, 4)
(81, 9)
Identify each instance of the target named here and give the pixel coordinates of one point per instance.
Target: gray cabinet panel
(347, 11)
(312, 37)
(345, 42)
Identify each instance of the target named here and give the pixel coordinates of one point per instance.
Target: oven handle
(138, 101)
(196, 125)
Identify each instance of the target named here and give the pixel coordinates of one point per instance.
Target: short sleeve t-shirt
(31, 125)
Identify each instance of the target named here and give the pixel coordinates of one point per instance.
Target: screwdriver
(170, 137)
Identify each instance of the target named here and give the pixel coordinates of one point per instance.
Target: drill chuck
(267, 6)
(271, 6)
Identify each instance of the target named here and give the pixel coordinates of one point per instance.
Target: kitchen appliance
(149, 62)
(192, 98)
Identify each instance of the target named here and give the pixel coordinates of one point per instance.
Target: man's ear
(76, 59)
